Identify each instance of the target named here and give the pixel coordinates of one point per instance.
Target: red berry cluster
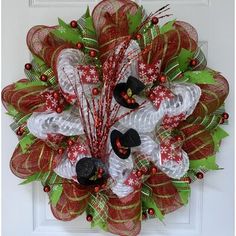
(128, 99)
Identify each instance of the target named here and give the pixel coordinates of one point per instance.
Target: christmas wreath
(117, 115)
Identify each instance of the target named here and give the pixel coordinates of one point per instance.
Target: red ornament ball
(95, 91)
(43, 78)
(139, 173)
(152, 96)
(155, 20)
(129, 100)
(163, 79)
(151, 211)
(19, 132)
(60, 151)
(92, 53)
(179, 138)
(96, 189)
(56, 95)
(80, 46)
(100, 171)
(59, 109)
(138, 36)
(28, 66)
(89, 218)
(225, 116)
(73, 24)
(46, 188)
(70, 142)
(200, 175)
(154, 170)
(193, 62)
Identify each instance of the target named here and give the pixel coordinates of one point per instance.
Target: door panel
(25, 208)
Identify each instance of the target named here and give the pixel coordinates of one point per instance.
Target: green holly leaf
(200, 77)
(167, 27)
(134, 20)
(183, 189)
(55, 194)
(66, 33)
(35, 177)
(26, 142)
(218, 134)
(184, 58)
(208, 163)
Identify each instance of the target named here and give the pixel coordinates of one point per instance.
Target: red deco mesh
(165, 194)
(26, 100)
(43, 44)
(111, 24)
(72, 203)
(39, 158)
(198, 142)
(124, 214)
(213, 96)
(165, 46)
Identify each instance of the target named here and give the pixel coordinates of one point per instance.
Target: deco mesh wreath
(117, 115)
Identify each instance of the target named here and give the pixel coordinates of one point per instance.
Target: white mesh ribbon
(148, 117)
(66, 123)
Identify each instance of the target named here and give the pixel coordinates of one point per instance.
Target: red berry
(28, 66)
(178, 138)
(225, 116)
(133, 100)
(95, 91)
(200, 175)
(70, 142)
(18, 132)
(126, 97)
(139, 173)
(129, 100)
(96, 189)
(100, 171)
(89, 218)
(60, 151)
(154, 170)
(92, 53)
(151, 211)
(73, 24)
(193, 62)
(155, 20)
(123, 94)
(56, 95)
(46, 188)
(21, 129)
(59, 109)
(163, 79)
(138, 36)
(80, 46)
(43, 78)
(152, 96)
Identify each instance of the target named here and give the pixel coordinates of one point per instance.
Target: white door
(25, 210)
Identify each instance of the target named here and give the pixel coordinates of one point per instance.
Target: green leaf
(148, 202)
(208, 163)
(66, 33)
(20, 85)
(11, 111)
(38, 60)
(55, 194)
(200, 77)
(183, 189)
(184, 58)
(26, 142)
(134, 20)
(167, 27)
(35, 177)
(218, 134)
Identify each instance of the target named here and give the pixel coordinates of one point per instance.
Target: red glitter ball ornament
(139, 173)
(163, 79)
(193, 62)
(19, 132)
(28, 66)
(59, 109)
(89, 218)
(96, 189)
(152, 96)
(92, 53)
(60, 151)
(73, 24)
(155, 20)
(200, 175)
(80, 45)
(70, 142)
(56, 95)
(225, 116)
(154, 170)
(95, 91)
(43, 78)
(179, 138)
(138, 36)
(151, 211)
(46, 188)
